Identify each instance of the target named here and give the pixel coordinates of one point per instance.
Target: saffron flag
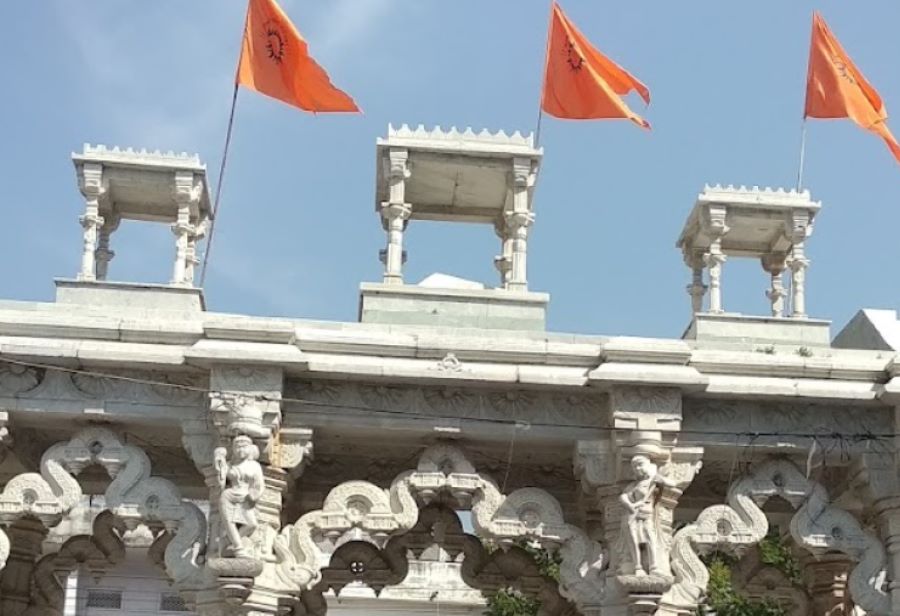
(580, 83)
(835, 88)
(275, 61)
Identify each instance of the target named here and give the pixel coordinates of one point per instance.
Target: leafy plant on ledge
(723, 599)
(511, 602)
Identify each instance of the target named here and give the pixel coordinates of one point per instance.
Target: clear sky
(298, 230)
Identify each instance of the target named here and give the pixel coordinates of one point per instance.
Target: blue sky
(298, 230)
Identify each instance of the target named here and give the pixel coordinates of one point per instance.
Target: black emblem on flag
(573, 57)
(275, 43)
(842, 69)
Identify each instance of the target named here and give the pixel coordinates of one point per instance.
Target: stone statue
(243, 477)
(639, 524)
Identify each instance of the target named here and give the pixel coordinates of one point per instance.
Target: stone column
(826, 582)
(797, 230)
(517, 224)
(103, 254)
(245, 402)
(26, 537)
(714, 259)
(517, 220)
(187, 197)
(696, 289)
(774, 264)
(193, 259)
(876, 478)
(798, 265)
(93, 188)
(394, 218)
(503, 263)
(638, 468)
(395, 213)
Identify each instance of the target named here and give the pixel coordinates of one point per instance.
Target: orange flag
(835, 88)
(580, 83)
(275, 61)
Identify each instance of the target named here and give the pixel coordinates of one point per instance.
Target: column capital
(91, 181)
(714, 221)
(188, 188)
(246, 400)
(523, 172)
(797, 226)
(395, 211)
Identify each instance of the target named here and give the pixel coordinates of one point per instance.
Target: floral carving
(381, 396)
(16, 379)
(450, 399)
(513, 402)
(317, 391)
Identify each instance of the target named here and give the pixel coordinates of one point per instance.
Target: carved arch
(362, 511)
(816, 525)
(133, 496)
(99, 551)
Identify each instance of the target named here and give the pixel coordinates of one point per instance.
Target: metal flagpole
(802, 155)
(215, 211)
(537, 132)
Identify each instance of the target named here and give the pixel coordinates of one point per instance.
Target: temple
(161, 457)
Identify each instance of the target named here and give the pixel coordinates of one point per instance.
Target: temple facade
(274, 466)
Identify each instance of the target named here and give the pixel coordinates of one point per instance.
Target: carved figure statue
(243, 477)
(639, 524)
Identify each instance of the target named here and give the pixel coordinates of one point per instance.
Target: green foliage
(774, 552)
(511, 602)
(725, 601)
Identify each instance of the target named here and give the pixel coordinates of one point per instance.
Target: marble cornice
(53, 333)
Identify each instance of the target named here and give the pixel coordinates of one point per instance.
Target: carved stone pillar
(715, 226)
(875, 478)
(193, 259)
(188, 191)
(637, 476)
(103, 254)
(517, 224)
(797, 230)
(798, 265)
(697, 290)
(503, 263)
(395, 214)
(826, 582)
(93, 188)
(517, 220)
(246, 413)
(26, 537)
(774, 264)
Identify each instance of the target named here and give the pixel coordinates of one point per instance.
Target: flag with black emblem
(580, 83)
(275, 61)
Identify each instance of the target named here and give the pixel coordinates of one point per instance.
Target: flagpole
(537, 132)
(215, 210)
(802, 155)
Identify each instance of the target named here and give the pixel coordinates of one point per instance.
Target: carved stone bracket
(246, 401)
(361, 511)
(817, 526)
(133, 497)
